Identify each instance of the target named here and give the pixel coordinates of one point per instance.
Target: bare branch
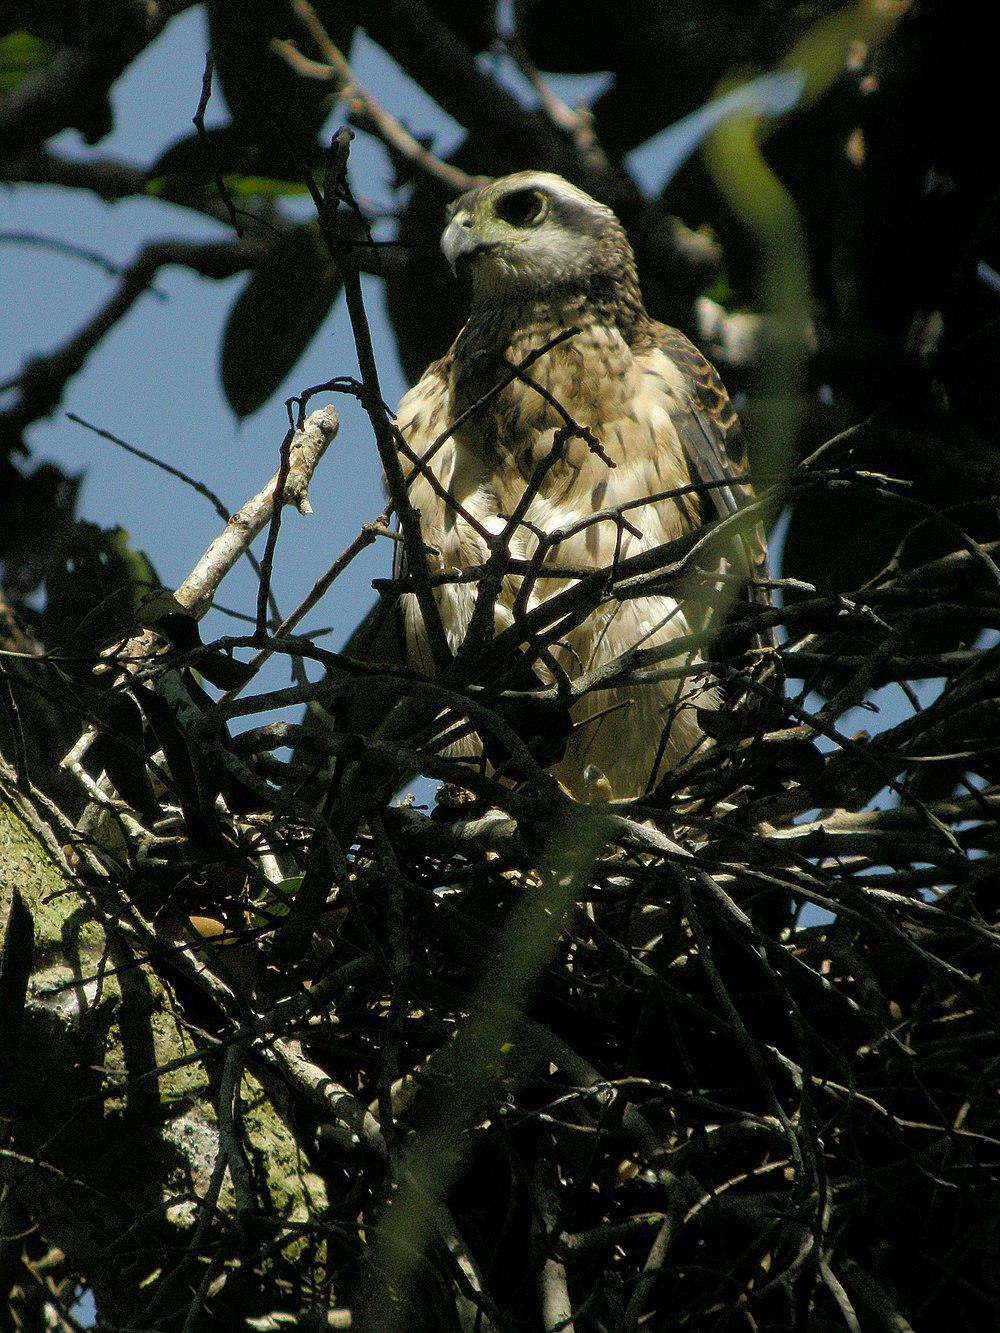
(366, 113)
(305, 450)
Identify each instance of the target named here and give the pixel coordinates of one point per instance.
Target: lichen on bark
(110, 1104)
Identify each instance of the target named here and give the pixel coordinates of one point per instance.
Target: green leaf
(250, 170)
(278, 900)
(262, 187)
(276, 317)
(20, 55)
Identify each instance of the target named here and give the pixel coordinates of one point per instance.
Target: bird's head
(532, 233)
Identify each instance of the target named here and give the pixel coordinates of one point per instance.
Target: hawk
(544, 257)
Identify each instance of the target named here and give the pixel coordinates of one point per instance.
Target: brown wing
(715, 447)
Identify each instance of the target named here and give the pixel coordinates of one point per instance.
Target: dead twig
(367, 113)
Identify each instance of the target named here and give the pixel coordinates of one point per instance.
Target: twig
(553, 1287)
(8, 701)
(577, 125)
(230, 1132)
(198, 120)
(373, 402)
(73, 251)
(196, 593)
(572, 428)
(366, 112)
(169, 468)
(413, 34)
(368, 534)
(274, 526)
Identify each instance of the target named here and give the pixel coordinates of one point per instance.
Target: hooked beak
(460, 242)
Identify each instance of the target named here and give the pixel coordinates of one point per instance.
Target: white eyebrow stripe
(557, 188)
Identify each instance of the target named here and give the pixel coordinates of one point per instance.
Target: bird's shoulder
(711, 436)
(704, 414)
(424, 407)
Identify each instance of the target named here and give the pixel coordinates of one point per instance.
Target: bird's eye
(522, 208)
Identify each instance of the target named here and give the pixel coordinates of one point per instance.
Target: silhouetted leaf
(671, 45)
(425, 329)
(165, 614)
(272, 104)
(195, 787)
(17, 953)
(228, 673)
(120, 749)
(94, 587)
(573, 36)
(275, 317)
(248, 169)
(36, 509)
(472, 20)
(223, 146)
